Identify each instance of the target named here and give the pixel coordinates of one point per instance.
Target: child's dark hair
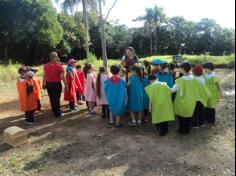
(164, 66)
(209, 65)
(86, 69)
(152, 77)
(186, 66)
(147, 66)
(78, 67)
(171, 66)
(115, 69)
(98, 83)
(138, 71)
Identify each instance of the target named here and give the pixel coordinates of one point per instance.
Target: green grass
(9, 72)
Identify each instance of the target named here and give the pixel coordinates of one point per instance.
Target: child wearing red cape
(73, 84)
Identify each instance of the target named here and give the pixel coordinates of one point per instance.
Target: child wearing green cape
(186, 98)
(160, 104)
(212, 82)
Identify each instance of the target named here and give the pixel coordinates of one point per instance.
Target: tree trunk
(85, 16)
(151, 47)
(103, 36)
(6, 49)
(155, 47)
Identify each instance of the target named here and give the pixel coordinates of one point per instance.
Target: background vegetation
(30, 29)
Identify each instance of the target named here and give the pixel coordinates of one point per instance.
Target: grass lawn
(9, 72)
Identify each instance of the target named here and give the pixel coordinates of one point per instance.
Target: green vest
(203, 93)
(160, 97)
(215, 93)
(186, 97)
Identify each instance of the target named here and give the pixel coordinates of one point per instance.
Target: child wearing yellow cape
(160, 104)
(186, 98)
(27, 94)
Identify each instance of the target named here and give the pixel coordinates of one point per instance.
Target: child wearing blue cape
(136, 95)
(116, 95)
(164, 75)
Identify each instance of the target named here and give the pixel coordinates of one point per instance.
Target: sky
(222, 11)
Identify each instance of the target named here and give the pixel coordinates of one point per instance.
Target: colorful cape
(167, 78)
(160, 97)
(26, 102)
(115, 92)
(203, 93)
(72, 83)
(186, 97)
(136, 97)
(38, 88)
(215, 93)
(81, 77)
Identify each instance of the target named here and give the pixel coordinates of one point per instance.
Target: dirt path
(82, 145)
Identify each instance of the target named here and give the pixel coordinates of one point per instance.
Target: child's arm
(175, 88)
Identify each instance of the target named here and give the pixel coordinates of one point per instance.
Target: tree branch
(110, 10)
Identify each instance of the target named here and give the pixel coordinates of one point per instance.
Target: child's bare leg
(133, 122)
(140, 115)
(117, 120)
(111, 118)
(89, 106)
(133, 117)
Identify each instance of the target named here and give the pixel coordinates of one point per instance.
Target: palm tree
(158, 17)
(71, 5)
(148, 18)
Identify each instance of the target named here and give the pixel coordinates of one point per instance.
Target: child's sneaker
(119, 125)
(111, 125)
(74, 110)
(139, 122)
(92, 112)
(132, 123)
(195, 126)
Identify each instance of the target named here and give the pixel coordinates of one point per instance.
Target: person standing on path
(53, 75)
(129, 60)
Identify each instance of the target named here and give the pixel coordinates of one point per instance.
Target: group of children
(191, 96)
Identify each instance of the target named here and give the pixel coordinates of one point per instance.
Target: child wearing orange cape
(27, 94)
(73, 84)
(38, 87)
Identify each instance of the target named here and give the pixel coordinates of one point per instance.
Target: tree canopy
(30, 29)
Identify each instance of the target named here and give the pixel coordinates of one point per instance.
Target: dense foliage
(29, 29)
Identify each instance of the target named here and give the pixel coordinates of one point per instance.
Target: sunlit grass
(8, 72)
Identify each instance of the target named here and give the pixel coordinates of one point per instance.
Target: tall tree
(32, 27)
(73, 4)
(159, 19)
(148, 18)
(102, 22)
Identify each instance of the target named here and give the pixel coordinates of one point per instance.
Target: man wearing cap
(53, 75)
